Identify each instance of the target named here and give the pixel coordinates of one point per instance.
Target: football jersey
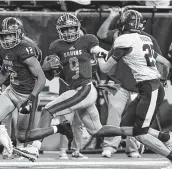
(141, 58)
(75, 58)
(21, 79)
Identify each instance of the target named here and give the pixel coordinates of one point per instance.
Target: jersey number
(74, 66)
(29, 50)
(149, 55)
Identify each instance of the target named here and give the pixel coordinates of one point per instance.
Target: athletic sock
(55, 129)
(164, 137)
(37, 144)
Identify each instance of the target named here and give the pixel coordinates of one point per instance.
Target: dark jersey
(21, 79)
(75, 58)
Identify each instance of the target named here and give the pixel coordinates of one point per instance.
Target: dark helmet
(131, 20)
(65, 21)
(13, 27)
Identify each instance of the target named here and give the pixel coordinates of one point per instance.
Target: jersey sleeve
(92, 41)
(27, 52)
(54, 48)
(123, 41)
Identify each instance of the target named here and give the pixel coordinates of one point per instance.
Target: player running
(73, 53)
(137, 51)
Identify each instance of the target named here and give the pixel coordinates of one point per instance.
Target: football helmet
(11, 33)
(131, 20)
(65, 21)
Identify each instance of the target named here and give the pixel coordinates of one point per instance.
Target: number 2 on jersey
(74, 66)
(149, 55)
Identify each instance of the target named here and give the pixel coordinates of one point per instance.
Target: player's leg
(151, 95)
(126, 125)
(117, 104)
(77, 142)
(133, 147)
(7, 106)
(66, 103)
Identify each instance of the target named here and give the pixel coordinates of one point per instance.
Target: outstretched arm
(117, 54)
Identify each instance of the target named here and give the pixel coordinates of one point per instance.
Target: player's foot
(134, 154)
(65, 129)
(63, 156)
(169, 142)
(6, 141)
(168, 167)
(107, 153)
(30, 152)
(78, 155)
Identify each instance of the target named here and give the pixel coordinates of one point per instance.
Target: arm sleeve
(118, 53)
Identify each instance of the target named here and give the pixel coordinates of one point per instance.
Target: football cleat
(30, 152)
(169, 142)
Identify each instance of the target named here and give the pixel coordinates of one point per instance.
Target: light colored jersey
(140, 59)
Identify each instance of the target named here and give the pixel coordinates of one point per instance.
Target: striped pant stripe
(151, 109)
(71, 101)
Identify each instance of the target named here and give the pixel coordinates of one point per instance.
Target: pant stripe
(78, 97)
(151, 109)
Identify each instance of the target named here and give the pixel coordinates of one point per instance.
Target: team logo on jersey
(73, 53)
(6, 57)
(71, 48)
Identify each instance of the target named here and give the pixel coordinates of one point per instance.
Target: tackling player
(73, 52)
(138, 53)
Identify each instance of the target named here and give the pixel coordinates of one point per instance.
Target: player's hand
(102, 55)
(27, 104)
(51, 62)
(114, 11)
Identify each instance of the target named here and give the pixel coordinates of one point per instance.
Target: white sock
(37, 144)
(55, 129)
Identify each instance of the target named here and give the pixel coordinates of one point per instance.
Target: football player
(20, 63)
(138, 53)
(73, 53)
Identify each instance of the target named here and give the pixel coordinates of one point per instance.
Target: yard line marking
(84, 163)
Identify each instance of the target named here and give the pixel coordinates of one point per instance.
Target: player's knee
(141, 138)
(46, 112)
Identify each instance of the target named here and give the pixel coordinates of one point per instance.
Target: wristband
(31, 97)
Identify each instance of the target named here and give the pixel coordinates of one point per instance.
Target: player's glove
(51, 62)
(27, 104)
(51, 66)
(102, 55)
